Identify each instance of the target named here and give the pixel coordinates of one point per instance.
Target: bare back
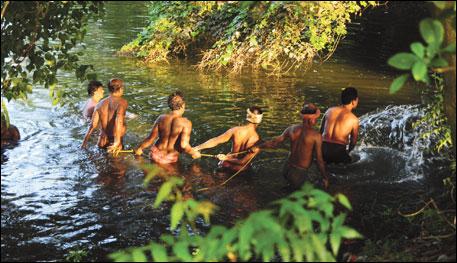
(108, 111)
(171, 130)
(338, 124)
(243, 138)
(302, 142)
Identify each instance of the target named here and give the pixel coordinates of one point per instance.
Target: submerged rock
(10, 135)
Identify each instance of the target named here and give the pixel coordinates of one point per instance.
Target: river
(56, 197)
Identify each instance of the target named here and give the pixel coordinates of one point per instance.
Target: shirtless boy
(304, 140)
(110, 114)
(170, 134)
(242, 138)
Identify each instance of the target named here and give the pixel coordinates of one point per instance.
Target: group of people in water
(170, 133)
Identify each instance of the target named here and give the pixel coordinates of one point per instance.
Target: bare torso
(108, 110)
(339, 124)
(302, 143)
(88, 109)
(243, 138)
(172, 132)
(170, 127)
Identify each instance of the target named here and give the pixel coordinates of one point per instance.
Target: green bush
(303, 226)
(277, 36)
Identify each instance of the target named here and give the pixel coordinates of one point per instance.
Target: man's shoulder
(161, 117)
(237, 129)
(331, 109)
(352, 116)
(101, 103)
(89, 101)
(295, 128)
(123, 102)
(182, 121)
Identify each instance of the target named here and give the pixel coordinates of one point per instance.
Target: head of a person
(254, 115)
(176, 101)
(310, 113)
(350, 97)
(95, 89)
(116, 87)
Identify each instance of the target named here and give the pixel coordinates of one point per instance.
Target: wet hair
(176, 100)
(308, 108)
(93, 86)
(348, 95)
(115, 85)
(255, 110)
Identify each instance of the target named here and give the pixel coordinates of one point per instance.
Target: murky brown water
(57, 198)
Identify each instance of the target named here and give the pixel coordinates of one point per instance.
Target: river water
(56, 197)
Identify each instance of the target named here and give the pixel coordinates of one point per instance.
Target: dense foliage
(277, 36)
(303, 226)
(435, 119)
(37, 40)
(425, 63)
(424, 58)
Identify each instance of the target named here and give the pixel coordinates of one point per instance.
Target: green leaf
(418, 49)
(297, 248)
(327, 208)
(309, 251)
(419, 70)
(159, 253)
(81, 71)
(344, 200)
(48, 56)
(432, 31)
(120, 256)
(450, 48)
(321, 196)
(216, 231)
(168, 239)
(438, 63)
(138, 255)
(335, 241)
(229, 236)
(284, 251)
(164, 191)
(439, 4)
(338, 222)
(402, 60)
(5, 114)
(349, 233)
(398, 83)
(55, 101)
(177, 212)
(245, 235)
(319, 248)
(182, 251)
